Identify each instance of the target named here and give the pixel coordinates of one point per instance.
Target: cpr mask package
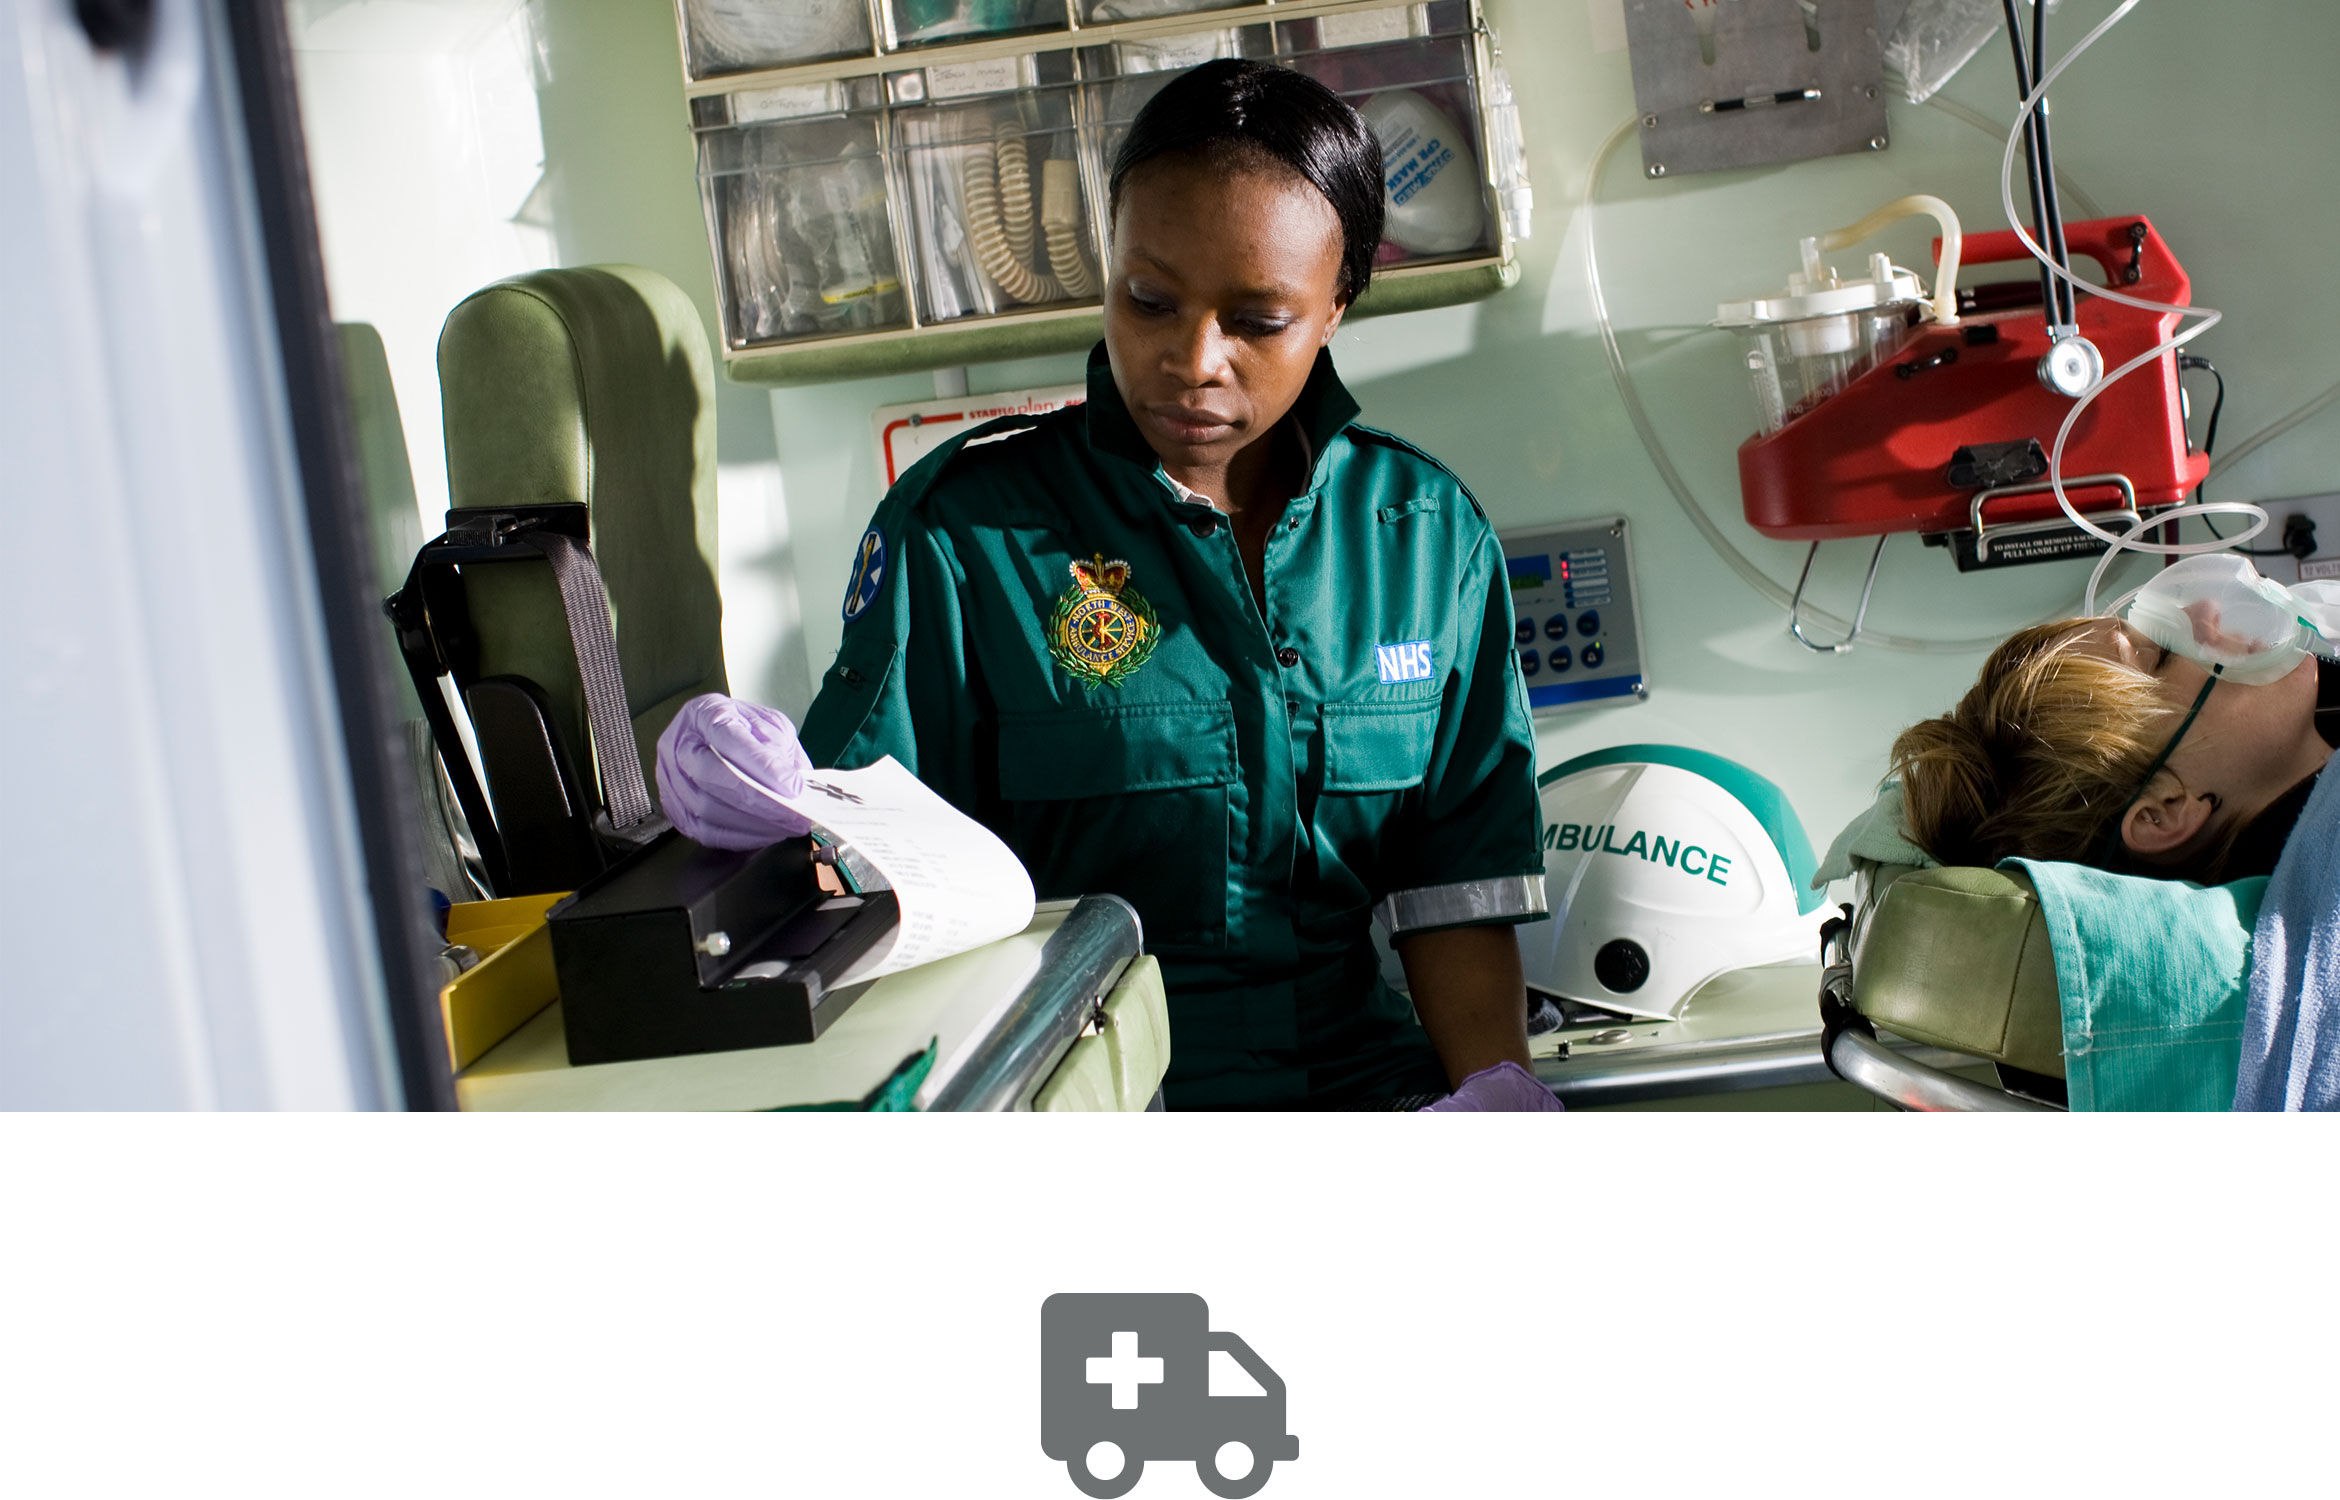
(2216, 610)
(1431, 199)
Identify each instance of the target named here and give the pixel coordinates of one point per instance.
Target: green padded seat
(394, 521)
(592, 385)
(1959, 957)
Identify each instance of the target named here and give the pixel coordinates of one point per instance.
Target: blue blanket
(2291, 1039)
(2154, 977)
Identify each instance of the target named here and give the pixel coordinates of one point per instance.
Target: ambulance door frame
(332, 491)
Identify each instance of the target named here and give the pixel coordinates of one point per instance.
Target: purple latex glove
(1506, 1088)
(718, 804)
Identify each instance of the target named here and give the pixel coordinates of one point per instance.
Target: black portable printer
(683, 949)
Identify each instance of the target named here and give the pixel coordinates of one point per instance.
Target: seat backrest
(393, 521)
(591, 385)
(394, 524)
(1959, 957)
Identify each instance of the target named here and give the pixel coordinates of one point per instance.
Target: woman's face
(1223, 286)
(2247, 746)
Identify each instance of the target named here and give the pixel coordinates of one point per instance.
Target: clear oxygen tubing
(1978, 120)
(2236, 452)
(1629, 395)
(2206, 318)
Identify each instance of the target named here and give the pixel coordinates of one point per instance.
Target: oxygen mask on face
(2216, 610)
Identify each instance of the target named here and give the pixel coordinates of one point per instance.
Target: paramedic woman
(1209, 644)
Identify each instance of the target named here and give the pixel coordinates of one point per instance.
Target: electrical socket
(2323, 561)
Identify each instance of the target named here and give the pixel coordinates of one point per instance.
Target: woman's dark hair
(1232, 108)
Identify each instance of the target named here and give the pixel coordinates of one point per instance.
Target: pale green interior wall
(2217, 121)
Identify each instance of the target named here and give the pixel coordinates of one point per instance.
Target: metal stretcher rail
(1080, 964)
(1774, 1060)
(1905, 1081)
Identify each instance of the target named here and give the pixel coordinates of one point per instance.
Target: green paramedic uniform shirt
(1044, 630)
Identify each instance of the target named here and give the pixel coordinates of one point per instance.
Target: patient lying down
(2084, 741)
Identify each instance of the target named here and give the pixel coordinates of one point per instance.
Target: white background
(1490, 1306)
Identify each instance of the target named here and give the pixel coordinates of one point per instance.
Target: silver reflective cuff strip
(1507, 898)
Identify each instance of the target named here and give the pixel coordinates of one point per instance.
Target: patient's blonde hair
(2039, 759)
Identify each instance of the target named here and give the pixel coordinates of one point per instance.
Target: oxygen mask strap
(2110, 847)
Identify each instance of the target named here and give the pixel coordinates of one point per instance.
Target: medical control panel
(1576, 620)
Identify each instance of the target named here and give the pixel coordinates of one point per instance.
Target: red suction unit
(1951, 432)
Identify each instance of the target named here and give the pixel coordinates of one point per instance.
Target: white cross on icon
(1124, 1371)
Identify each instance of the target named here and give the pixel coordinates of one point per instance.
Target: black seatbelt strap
(585, 601)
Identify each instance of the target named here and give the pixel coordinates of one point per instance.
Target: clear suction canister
(1805, 344)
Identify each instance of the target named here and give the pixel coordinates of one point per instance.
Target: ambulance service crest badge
(1103, 629)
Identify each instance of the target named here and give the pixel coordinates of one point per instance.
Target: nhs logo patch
(1407, 661)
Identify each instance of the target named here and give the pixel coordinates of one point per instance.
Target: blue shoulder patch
(869, 574)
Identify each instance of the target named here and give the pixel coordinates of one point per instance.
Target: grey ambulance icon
(1125, 1379)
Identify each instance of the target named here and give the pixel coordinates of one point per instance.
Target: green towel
(1877, 836)
(2154, 976)
(898, 1094)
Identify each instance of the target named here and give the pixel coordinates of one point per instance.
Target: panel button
(1593, 656)
(1527, 630)
(1287, 657)
(1556, 627)
(1560, 662)
(1530, 663)
(1588, 623)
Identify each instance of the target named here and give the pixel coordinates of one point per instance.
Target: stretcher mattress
(1959, 957)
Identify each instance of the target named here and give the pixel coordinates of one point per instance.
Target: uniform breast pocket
(1132, 800)
(1375, 756)
(1378, 747)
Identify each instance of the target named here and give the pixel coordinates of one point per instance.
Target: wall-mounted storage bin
(908, 184)
(997, 211)
(801, 218)
(723, 37)
(1106, 12)
(942, 23)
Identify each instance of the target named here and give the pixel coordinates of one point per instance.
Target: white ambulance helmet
(1665, 867)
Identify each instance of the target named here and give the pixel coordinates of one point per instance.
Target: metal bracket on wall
(1739, 83)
